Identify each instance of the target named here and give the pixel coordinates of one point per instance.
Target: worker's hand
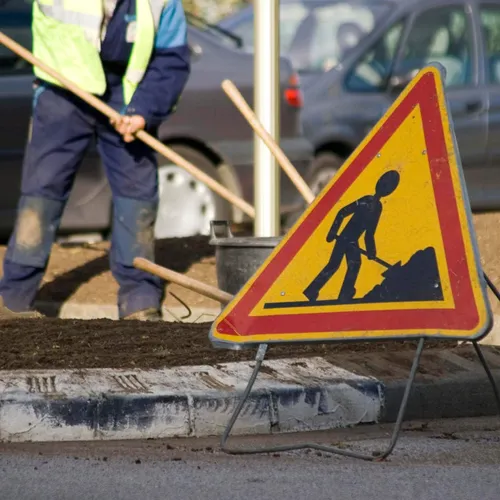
(371, 256)
(127, 126)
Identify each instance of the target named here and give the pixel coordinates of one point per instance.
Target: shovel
(390, 267)
(182, 280)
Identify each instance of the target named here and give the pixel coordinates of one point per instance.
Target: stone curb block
(453, 397)
(289, 395)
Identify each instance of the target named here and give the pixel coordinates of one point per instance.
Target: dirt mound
(417, 280)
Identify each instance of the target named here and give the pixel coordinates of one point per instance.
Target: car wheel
(323, 168)
(187, 205)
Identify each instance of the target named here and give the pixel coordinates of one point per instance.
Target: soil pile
(417, 280)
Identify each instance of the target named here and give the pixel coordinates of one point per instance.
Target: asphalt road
(440, 460)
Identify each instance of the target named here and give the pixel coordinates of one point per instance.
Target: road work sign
(386, 251)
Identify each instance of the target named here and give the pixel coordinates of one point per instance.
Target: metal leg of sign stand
(480, 354)
(488, 373)
(375, 456)
(492, 287)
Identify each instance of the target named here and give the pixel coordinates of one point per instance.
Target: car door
(359, 98)
(205, 111)
(16, 79)
(489, 21)
(89, 204)
(446, 34)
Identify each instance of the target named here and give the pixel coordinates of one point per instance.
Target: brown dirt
(55, 343)
(487, 226)
(75, 273)
(81, 274)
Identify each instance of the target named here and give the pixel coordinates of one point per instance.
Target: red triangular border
(464, 317)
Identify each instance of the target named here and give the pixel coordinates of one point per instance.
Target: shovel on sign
(390, 267)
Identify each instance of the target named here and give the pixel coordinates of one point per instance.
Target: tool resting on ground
(184, 281)
(141, 134)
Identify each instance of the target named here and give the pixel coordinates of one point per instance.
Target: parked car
(315, 34)
(207, 130)
(342, 104)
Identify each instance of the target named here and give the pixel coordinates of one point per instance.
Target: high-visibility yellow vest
(67, 37)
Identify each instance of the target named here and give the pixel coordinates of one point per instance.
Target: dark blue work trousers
(63, 127)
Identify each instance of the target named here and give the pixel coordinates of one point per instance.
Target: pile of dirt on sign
(56, 344)
(417, 280)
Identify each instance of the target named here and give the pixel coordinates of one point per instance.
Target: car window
(291, 15)
(334, 29)
(372, 71)
(317, 36)
(490, 24)
(15, 22)
(440, 35)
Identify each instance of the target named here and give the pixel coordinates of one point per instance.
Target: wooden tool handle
(142, 135)
(182, 280)
(239, 101)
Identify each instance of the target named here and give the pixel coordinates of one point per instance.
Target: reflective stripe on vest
(88, 21)
(59, 13)
(135, 75)
(57, 10)
(142, 49)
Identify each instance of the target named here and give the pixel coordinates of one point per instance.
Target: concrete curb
(453, 397)
(302, 394)
(289, 395)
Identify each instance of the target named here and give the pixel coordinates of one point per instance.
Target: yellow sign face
(398, 234)
(386, 251)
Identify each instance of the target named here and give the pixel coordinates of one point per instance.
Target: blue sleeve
(169, 68)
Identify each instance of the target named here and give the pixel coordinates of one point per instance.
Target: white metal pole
(267, 109)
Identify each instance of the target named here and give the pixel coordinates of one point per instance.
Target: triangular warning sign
(386, 251)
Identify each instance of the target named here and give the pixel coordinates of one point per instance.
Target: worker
(364, 216)
(133, 54)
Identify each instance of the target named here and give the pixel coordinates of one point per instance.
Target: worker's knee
(133, 229)
(37, 223)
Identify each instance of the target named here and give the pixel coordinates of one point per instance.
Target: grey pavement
(434, 460)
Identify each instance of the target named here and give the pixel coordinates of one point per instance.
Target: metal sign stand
(376, 456)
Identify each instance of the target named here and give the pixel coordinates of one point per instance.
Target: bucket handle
(220, 229)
